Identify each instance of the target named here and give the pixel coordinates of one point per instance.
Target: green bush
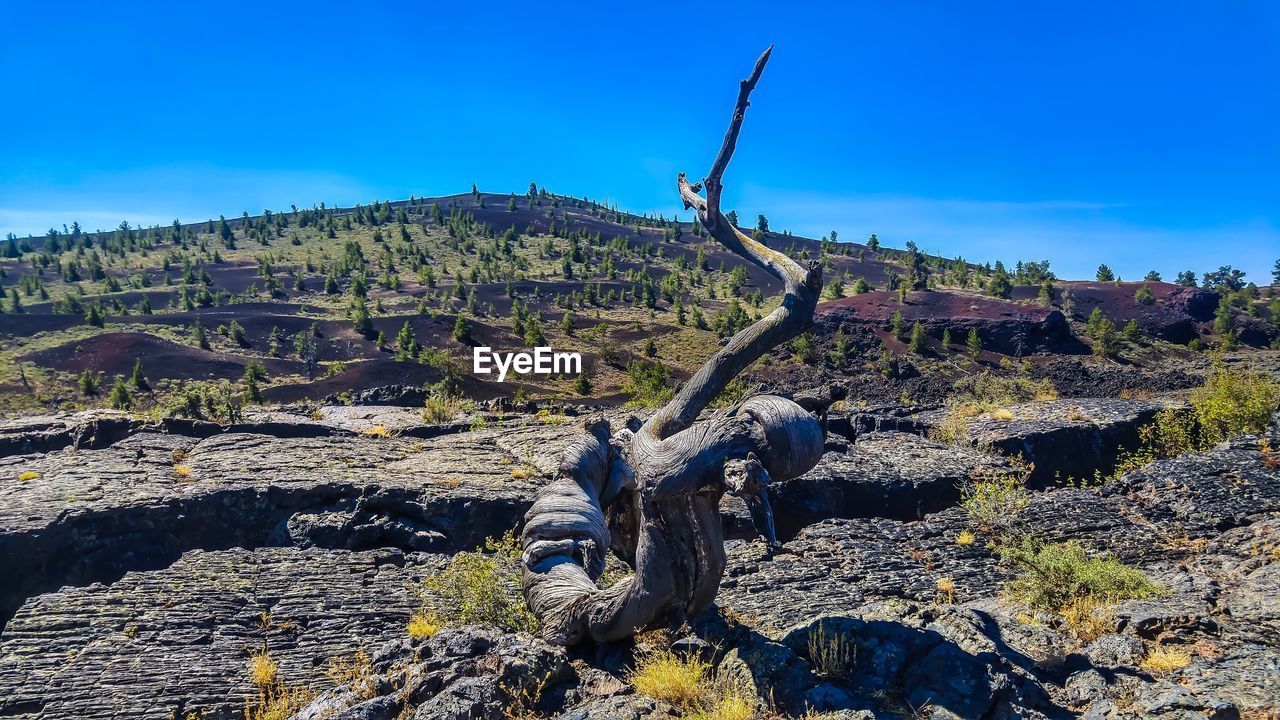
(994, 500)
(1054, 575)
(480, 588)
(647, 383)
(1233, 402)
(987, 391)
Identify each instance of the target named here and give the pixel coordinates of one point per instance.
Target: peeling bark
(652, 494)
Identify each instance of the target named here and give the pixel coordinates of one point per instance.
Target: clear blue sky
(1145, 135)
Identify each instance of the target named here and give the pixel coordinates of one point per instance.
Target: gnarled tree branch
(653, 496)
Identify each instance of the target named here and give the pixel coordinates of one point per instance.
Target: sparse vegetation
(1233, 402)
(1164, 659)
(1058, 572)
(670, 678)
(423, 624)
(832, 653)
(480, 588)
(647, 383)
(995, 499)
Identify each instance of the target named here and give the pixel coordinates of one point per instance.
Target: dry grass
(423, 624)
(953, 430)
(376, 431)
(1002, 414)
(1088, 617)
(733, 706)
(1163, 659)
(1075, 414)
(263, 670)
(523, 472)
(182, 471)
(28, 475)
(1270, 458)
(356, 671)
(277, 702)
(670, 678)
(965, 538)
(946, 590)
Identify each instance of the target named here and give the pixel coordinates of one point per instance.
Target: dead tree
(651, 492)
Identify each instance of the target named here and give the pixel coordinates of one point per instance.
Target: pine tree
(119, 396)
(137, 379)
(582, 385)
(15, 303)
(946, 337)
(918, 338)
(974, 342)
(461, 328)
(88, 383)
(199, 336)
(566, 324)
(94, 315)
(406, 343)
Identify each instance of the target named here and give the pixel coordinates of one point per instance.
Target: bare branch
(802, 285)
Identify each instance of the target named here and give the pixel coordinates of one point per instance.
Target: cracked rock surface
(146, 561)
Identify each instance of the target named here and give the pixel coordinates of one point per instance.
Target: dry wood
(651, 494)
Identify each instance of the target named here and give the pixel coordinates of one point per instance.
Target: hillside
(303, 297)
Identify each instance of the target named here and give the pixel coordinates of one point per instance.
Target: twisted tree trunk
(652, 494)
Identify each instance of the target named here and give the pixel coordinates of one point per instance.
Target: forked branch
(653, 497)
(802, 286)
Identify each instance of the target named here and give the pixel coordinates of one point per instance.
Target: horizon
(1141, 137)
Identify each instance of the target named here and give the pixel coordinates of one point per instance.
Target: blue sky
(1144, 135)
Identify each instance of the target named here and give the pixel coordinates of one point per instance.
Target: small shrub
(987, 391)
(182, 471)
(355, 672)
(647, 383)
(422, 624)
(964, 538)
(953, 430)
(1172, 433)
(946, 590)
(1002, 414)
(376, 431)
(1058, 573)
(1233, 402)
(994, 500)
(481, 588)
(732, 706)
(833, 654)
(263, 670)
(441, 408)
(1164, 659)
(670, 678)
(27, 475)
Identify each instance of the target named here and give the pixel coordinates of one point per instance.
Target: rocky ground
(146, 561)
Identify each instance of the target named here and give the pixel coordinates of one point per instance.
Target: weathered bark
(652, 494)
